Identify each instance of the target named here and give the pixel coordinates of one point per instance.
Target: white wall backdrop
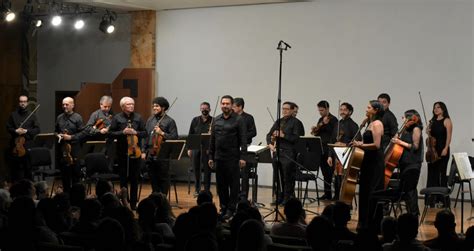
(348, 50)
(67, 57)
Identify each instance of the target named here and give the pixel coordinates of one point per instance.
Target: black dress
(437, 170)
(370, 179)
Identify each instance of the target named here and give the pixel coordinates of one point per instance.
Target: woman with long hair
(372, 168)
(441, 128)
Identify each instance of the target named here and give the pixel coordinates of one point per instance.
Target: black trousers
(20, 167)
(129, 170)
(328, 173)
(437, 175)
(70, 174)
(159, 174)
(227, 178)
(200, 163)
(245, 174)
(284, 172)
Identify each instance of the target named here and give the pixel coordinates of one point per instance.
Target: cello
(19, 149)
(349, 180)
(431, 154)
(394, 152)
(158, 139)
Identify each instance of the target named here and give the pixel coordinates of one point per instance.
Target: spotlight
(38, 23)
(56, 20)
(79, 24)
(107, 25)
(9, 15)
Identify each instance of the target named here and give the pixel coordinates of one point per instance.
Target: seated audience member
(23, 187)
(77, 194)
(447, 238)
(468, 243)
(320, 234)
(388, 228)
(295, 221)
(110, 236)
(163, 212)
(341, 216)
(251, 236)
(407, 229)
(41, 189)
(204, 196)
(102, 187)
(89, 218)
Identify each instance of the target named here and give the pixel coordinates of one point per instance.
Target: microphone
(287, 46)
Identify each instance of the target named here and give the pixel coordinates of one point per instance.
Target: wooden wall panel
(87, 100)
(143, 37)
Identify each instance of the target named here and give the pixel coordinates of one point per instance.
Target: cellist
(159, 127)
(19, 167)
(343, 134)
(124, 127)
(412, 142)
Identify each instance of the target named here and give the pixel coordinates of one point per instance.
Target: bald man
(124, 124)
(69, 125)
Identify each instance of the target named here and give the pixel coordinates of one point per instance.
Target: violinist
(21, 137)
(199, 125)
(343, 135)
(372, 167)
(159, 127)
(324, 129)
(412, 142)
(389, 120)
(99, 121)
(69, 128)
(124, 126)
(238, 108)
(441, 129)
(289, 134)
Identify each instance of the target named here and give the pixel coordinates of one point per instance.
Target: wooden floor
(426, 231)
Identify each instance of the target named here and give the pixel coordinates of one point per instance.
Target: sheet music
(463, 165)
(256, 148)
(340, 154)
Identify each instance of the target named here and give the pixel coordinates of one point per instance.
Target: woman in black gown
(372, 168)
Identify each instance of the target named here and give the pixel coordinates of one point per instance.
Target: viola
(431, 154)
(19, 149)
(101, 123)
(394, 151)
(133, 150)
(66, 150)
(316, 129)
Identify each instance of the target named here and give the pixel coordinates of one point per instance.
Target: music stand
(172, 150)
(464, 170)
(257, 154)
(198, 142)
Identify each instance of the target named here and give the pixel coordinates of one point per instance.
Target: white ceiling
(170, 4)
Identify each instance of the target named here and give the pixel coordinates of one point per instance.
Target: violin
(66, 150)
(316, 129)
(394, 152)
(101, 123)
(431, 154)
(133, 151)
(158, 139)
(19, 149)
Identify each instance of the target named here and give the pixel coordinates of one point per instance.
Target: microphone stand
(282, 46)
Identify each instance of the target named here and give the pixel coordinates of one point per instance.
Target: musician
(288, 134)
(227, 152)
(343, 134)
(101, 115)
(389, 120)
(441, 128)
(69, 128)
(199, 125)
(300, 124)
(19, 166)
(251, 130)
(158, 125)
(123, 126)
(324, 129)
(412, 142)
(372, 168)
